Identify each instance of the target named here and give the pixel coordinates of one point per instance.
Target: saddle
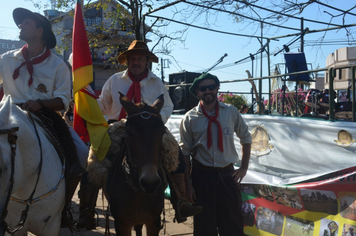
(57, 132)
(98, 170)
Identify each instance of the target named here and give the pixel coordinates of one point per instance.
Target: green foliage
(235, 100)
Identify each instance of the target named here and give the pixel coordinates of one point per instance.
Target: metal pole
(302, 34)
(332, 74)
(269, 79)
(353, 93)
(162, 74)
(260, 81)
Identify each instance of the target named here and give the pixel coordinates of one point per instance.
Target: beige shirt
(194, 135)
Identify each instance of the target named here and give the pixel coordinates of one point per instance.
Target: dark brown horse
(136, 184)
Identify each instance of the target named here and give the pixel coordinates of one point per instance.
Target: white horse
(37, 172)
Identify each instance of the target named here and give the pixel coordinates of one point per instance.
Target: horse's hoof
(85, 226)
(86, 221)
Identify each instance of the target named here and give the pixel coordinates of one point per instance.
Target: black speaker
(182, 99)
(296, 62)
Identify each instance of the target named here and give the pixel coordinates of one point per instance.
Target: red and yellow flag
(86, 105)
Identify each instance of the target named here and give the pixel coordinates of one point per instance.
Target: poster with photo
(342, 95)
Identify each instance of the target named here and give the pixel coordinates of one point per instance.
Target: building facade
(342, 82)
(7, 45)
(106, 39)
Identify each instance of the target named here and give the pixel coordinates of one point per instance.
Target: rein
(12, 138)
(24, 213)
(30, 200)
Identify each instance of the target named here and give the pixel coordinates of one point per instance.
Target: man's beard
(209, 98)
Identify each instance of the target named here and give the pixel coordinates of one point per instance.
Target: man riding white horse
(39, 81)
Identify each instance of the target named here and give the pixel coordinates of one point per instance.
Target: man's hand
(32, 106)
(239, 174)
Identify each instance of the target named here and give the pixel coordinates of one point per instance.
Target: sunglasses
(211, 87)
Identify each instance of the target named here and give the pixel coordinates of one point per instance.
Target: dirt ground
(169, 228)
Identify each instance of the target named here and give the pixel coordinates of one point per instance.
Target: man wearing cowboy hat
(33, 72)
(38, 80)
(207, 134)
(138, 83)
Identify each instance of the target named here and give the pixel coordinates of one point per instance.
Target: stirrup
(178, 217)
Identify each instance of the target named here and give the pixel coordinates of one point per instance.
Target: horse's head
(144, 131)
(6, 137)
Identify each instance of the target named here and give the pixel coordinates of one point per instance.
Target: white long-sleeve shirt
(151, 88)
(51, 79)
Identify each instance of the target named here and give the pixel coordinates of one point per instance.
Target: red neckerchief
(214, 119)
(134, 91)
(30, 64)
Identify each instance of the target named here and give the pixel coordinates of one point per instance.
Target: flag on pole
(86, 105)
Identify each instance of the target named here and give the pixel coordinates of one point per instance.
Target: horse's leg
(138, 230)
(122, 229)
(154, 228)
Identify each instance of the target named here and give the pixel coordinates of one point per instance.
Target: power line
(199, 27)
(287, 15)
(241, 15)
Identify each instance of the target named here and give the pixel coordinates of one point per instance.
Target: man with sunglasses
(206, 134)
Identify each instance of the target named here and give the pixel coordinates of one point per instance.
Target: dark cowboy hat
(202, 77)
(20, 14)
(137, 47)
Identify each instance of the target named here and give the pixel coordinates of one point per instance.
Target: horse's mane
(14, 114)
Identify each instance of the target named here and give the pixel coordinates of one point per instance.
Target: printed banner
(324, 206)
(301, 177)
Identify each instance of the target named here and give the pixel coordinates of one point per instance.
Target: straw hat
(137, 47)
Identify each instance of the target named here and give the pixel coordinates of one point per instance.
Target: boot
(180, 204)
(71, 185)
(74, 166)
(88, 195)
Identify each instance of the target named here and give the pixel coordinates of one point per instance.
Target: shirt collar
(126, 75)
(221, 105)
(19, 55)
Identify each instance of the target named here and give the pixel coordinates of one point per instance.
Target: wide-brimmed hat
(137, 47)
(202, 77)
(20, 14)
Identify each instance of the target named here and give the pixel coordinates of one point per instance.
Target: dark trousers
(220, 198)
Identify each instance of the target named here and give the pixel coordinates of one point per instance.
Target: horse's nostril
(150, 185)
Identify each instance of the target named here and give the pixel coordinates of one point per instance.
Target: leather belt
(197, 164)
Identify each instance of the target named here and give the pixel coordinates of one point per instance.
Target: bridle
(12, 138)
(130, 171)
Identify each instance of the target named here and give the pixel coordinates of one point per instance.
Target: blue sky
(202, 49)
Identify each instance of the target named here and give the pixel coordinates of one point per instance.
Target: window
(93, 16)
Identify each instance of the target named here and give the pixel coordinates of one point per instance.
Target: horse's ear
(158, 104)
(127, 104)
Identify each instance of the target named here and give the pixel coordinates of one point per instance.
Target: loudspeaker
(295, 62)
(182, 99)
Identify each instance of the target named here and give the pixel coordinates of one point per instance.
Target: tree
(275, 15)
